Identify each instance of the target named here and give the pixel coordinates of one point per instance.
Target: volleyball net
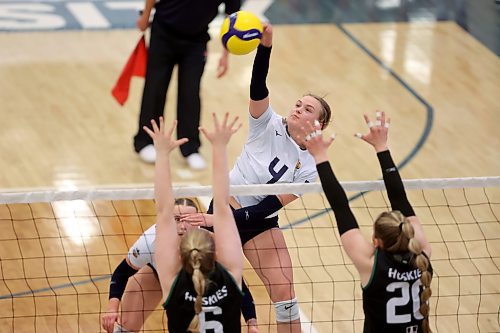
(59, 248)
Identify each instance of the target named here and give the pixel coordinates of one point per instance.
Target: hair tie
(194, 249)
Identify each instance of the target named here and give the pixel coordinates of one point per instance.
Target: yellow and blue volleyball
(241, 32)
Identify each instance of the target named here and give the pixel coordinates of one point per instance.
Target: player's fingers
(234, 122)
(221, 71)
(312, 132)
(310, 126)
(107, 326)
(180, 142)
(298, 137)
(382, 118)
(154, 126)
(330, 140)
(215, 120)
(387, 123)
(224, 120)
(359, 136)
(378, 116)
(367, 120)
(194, 219)
(191, 218)
(150, 132)
(315, 129)
(172, 128)
(203, 131)
(303, 133)
(303, 130)
(369, 123)
(236, 129)
(197, 224)
(162, 124)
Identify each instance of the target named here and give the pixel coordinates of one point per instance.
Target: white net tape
(146, 191)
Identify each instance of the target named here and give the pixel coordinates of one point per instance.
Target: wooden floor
(62, 129)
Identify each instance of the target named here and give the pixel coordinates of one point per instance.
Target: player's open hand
(313, 140)
(162, 138)
(379, 130)
(222, 131)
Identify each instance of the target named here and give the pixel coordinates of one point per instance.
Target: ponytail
(199, 287)
(422, 263)
(198, 259)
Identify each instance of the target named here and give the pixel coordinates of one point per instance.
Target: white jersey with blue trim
(270, 156)
(142, 252)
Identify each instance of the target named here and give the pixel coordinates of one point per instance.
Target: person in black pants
(179, 36)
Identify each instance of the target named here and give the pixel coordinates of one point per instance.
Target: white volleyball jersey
(142, 252)
(270, 156)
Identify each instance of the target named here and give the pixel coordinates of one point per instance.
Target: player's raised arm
(259, 94)
(167, 249)
(357, 247)
(377, 137)
(227, 239)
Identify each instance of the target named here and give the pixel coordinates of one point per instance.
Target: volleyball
(241, 32)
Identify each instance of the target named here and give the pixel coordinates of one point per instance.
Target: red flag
(135, 66)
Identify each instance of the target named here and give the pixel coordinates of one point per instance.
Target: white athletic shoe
(196, 162)
(148, 154)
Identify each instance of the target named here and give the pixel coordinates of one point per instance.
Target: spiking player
(273, 153)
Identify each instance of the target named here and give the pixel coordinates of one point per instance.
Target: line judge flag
(135, 66)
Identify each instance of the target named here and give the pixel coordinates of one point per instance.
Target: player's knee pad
(287, 311)
(119, 329)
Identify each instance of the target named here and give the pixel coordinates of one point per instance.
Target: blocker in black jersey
(220, 305)
(394, 268)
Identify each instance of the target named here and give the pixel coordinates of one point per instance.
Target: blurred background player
(179, 36)
(395, 268)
